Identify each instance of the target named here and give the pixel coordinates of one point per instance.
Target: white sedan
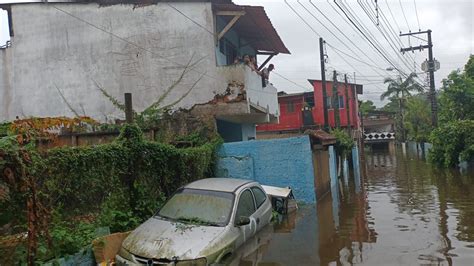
(203, 223)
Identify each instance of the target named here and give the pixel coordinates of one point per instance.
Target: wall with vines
(61, 195)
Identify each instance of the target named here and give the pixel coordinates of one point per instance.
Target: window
(228, 49)
(213, 207)
(329, 102)
(290, 107)
(341, 101)
(6, 28)
(260, 196)
(246, 205)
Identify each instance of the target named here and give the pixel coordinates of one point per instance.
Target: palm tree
(398, 89)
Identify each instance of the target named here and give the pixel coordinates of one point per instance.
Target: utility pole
(323, 83)
(335, 100)
(347, 104)
(128, 108)
(431, 70)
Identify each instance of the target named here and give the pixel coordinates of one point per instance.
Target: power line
(190, 19)
(340, 31)
(368, 39)
(317, 34)
(416, 12)
(283, 77)
(403, 11)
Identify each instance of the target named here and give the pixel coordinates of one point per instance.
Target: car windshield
(204, 207)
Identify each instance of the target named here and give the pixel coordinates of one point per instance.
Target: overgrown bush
(452, 142)
(118, 185)
(344, 142)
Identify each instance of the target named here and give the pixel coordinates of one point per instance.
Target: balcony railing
(262, 99)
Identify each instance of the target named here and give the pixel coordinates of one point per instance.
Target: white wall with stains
(54, 51)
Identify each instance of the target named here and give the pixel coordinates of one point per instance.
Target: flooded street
(403, 212)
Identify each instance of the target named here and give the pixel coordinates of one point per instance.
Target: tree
(366, 107)
(418, 118)
(398, 89)
(457, 94)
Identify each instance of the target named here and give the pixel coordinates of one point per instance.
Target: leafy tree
(452, 142)
(398, 89)
(366, 107)
(418, 118)
(457, 95)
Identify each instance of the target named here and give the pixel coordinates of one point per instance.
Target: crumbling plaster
(53, 53)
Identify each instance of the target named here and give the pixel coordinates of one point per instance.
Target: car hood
(162, 239)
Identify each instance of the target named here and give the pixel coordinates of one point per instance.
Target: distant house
(300, 111)
(60, 52)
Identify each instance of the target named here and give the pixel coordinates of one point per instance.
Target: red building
(305, 110)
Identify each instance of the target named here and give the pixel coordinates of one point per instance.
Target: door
(263, 214)
(246, 208)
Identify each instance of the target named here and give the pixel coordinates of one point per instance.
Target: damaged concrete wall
(54, 53)
(275, 162)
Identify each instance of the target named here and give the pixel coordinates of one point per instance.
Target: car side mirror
(242, 220)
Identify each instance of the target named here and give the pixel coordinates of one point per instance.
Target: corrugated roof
(256, 28)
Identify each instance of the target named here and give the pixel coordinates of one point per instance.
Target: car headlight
(196, 262)
(125, 254)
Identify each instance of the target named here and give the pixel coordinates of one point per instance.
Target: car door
(246, 208)
(263, 214)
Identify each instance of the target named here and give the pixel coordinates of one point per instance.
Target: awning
(256, 28)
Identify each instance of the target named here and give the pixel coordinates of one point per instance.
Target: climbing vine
(70, 189)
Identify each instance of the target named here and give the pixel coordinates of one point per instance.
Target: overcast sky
(450, 20)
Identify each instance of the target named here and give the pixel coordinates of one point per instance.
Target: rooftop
(219, 184)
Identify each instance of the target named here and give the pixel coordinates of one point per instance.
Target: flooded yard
(403, 212)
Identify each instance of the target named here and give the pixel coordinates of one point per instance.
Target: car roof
(219, 184)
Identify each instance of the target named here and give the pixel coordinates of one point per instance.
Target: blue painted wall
(275, 162)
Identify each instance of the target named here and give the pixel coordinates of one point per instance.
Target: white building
(60, 52)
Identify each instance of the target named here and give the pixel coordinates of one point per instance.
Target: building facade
(62, 55)
(300, 111)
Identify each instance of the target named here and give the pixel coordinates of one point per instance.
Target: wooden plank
(227, 27)
(230, 13)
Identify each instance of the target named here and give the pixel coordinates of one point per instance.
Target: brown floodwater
(403, 212)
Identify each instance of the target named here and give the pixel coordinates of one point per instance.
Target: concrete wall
(277, 162)
(54, 51)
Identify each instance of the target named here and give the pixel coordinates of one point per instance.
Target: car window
(199, 206)
(260, 196)
(246, 205)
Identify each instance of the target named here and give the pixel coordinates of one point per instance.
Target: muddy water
(404, 213)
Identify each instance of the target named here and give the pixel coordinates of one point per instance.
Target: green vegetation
(77, 189)
(367, 107)
(344, 142)
(453, 140)
(398, 90)
(418, 118)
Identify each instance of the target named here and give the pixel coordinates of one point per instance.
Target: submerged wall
(275, 162)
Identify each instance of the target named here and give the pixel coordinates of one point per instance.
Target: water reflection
(406, 213)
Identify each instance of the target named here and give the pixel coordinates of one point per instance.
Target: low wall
(274, 162)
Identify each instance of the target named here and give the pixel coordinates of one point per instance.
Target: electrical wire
(369, 40)
(417, 19)
(403, 11)
(349, 39)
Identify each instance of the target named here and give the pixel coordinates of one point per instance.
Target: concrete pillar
(334, 184)
(355, 163)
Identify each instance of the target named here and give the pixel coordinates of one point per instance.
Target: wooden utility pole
(347, 105)
(128, 108)
(431, 70)
(335, 100)
(323, 84)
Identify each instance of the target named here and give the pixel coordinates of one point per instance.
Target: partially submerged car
(203, 223)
